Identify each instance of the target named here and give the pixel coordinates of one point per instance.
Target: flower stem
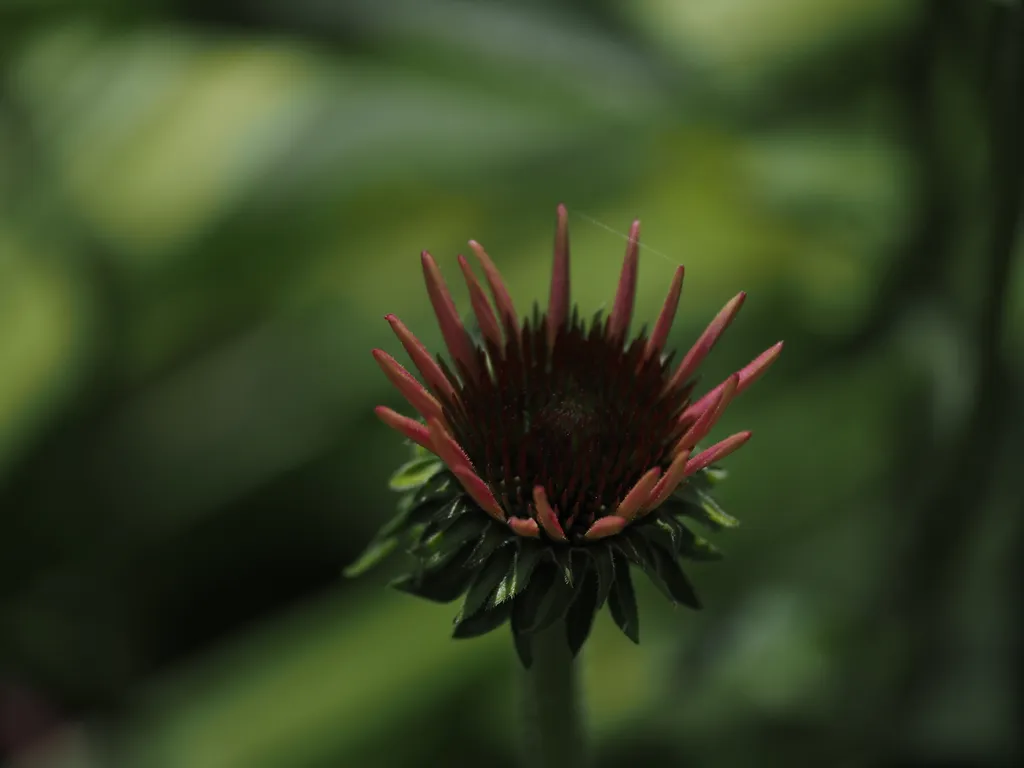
(554, 736)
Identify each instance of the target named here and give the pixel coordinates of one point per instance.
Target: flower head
(552, 453)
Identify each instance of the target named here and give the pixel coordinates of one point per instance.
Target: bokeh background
(207, 206)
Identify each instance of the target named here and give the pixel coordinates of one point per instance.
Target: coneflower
(552, 454)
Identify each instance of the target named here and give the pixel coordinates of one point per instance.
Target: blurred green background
(207, 206)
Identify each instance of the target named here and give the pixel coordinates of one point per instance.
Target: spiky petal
(666, 486)
(638, 495)
(455, 337)
(403, 424)
(748, 374)
(707, 418)
(558, 303)
(424, 403)
(604, 527)
(716, 452)
(502, 299)
(707, 340)
(546, 515)
(668, 314)
(625, 295)
(481, 307)
(421, 358)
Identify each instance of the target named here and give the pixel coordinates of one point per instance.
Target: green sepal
(527, 556)
(446, 542)
(622, 601)
(671, 580)
(483, 622)
(580, 617)
(526, 612)
(603, 570)
(487, 580)
(415, 473)
(441, 485)
(523, 643)
(672, 534)
(375, 552)
(561, 593)
(699, 507)
(563, 561)
(443, 584)
(493, 537)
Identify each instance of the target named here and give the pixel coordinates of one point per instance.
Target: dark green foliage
(533, 583)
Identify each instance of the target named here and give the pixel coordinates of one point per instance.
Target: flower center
(585, 418)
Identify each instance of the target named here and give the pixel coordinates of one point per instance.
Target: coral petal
(421, 358)
(668, 314)
(558, 304)
(424, 403)
(524, 526)
(481, 307)
(460, 346)
(411, 428)
(604, 527)
(502, 299)
(716, 452)
(638, 495)
(675, 475)
(479, 491)
(625, 295)
(707, 418)
(748, 374)
(707, 340)
(546, 515)
(445, 446)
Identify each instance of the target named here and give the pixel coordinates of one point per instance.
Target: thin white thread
(624, 236)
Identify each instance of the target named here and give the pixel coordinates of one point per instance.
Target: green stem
(554, 736)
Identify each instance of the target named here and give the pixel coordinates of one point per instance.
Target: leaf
(622, 601)
(580, 617)
(487, 580)
(415, 473)
(483, 622)
(440, 486)
(604, 570)
(375, 552)
(441, 585)
(527, 557)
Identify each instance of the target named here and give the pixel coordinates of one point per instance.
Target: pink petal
(424, 403)
(421, 358)
(558, 304)
(546, 515)
(668, 314)
(460, 346)
(502, 299)
(638, 495)
(479, 491)
(604, 527)
(411, 428)
(707, 340)
(748, 374)
(449, 451)
(675, 475)
(625, 295)
(481, 307)
(524, 526)
(700, 428)
(716, 452)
